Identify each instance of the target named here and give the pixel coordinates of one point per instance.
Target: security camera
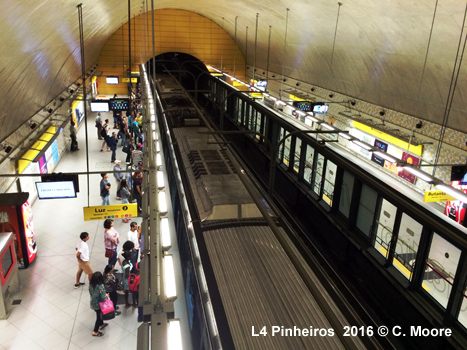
(297, 84)
(72, 91)
(381, 113)
(312, 89)
(353, 102)
(419, 124)
(331, 95)
(284, 80)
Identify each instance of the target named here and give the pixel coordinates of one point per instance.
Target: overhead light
(362, 144)
(153, 126)
(327, 126)
(313, 119)
(154, 135)
(169, 278)
(386, 156)
(160, 179)
(174, 335)
(299, 112)
(345, 135)
(158, 160)
(158, 147)
(453, 192)
(420, 174)
(165, 234)
(279, 102)
(162, 203)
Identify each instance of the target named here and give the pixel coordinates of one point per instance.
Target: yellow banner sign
(389, 138)
(256, 95)
(296, 98)
(237, 83)
(125, 80)
(437, 196)
(114, 211)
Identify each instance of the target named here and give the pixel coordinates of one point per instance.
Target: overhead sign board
(437, 196)
(114, 211)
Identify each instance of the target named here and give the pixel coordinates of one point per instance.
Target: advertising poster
(410, 160)
(383, 147)
(31, 247)
(43, 164)
(456, 209)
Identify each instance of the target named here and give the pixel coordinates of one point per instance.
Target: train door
(309, 160)
(366, 209)
(385, 227)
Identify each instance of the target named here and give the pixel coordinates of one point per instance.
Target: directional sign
(114, 211)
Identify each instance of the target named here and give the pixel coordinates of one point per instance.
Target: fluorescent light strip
(313, 119)
(420, 174)
(453, 192)
(327, 126)
(154, 135)
(386, 156)
(169, 278)
(174, 335)
(345, 135)
(299, 112)
(158, 147)
(160, 180)
(279, 102)
(362, 144)
(153, 126)
(158, 160)
(165, 234)
(162, 203)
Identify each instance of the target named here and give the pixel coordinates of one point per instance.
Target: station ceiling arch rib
(395, 54)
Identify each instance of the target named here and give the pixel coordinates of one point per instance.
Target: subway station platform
(49, 313)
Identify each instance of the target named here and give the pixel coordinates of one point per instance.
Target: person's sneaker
(81, 283)
(77, 285)
(118, 313)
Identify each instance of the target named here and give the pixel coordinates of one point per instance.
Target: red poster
(410, 160)
(456, 209)
(29, 231)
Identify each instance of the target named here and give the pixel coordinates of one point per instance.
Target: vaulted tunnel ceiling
(397, 54)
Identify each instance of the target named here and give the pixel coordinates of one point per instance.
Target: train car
(246, 285)
(405, 259)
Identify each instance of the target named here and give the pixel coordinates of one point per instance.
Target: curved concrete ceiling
(397, 54)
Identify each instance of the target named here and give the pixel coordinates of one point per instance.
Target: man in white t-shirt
(134, 235)
(82, 254)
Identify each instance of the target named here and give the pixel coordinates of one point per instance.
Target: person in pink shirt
(111, 241)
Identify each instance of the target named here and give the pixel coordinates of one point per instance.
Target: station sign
(113, 211)
(437, 196)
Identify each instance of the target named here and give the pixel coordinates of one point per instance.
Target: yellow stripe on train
(401, 267)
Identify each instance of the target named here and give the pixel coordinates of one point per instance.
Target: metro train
(246, 285)
(403, 259)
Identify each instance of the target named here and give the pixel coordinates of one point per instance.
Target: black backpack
(103, 132)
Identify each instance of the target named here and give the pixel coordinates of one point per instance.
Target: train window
(408, 240)
(259, 120)
(366, 209)
(318, 174)
(385, 227)
(239, 111)
(308, 171)
(346, 193)
(329, 182)
(286, 156)
(440, 269)
(280, 154)
(298, 147)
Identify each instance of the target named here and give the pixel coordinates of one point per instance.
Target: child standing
(126, 268)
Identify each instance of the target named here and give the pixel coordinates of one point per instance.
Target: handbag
(109, 253)
(106, 306)
(109, 316)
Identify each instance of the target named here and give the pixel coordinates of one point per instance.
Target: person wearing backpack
(99, 126)
(126, 268)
